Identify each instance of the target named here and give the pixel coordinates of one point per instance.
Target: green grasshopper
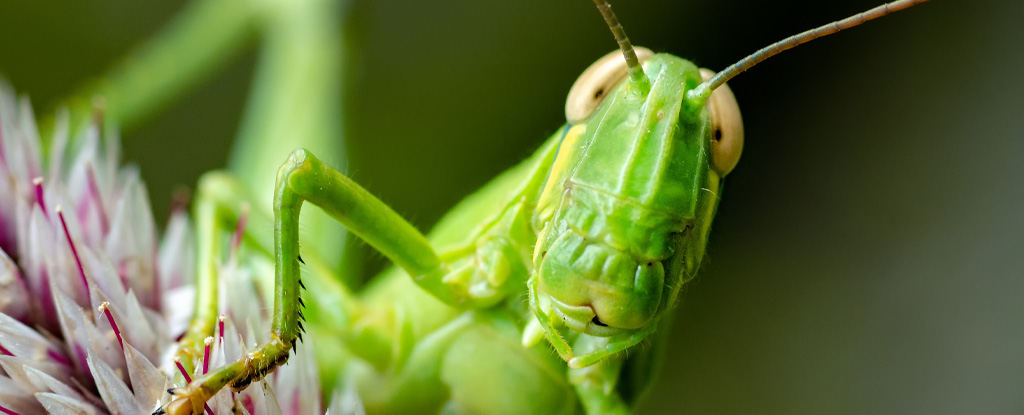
(582, 248)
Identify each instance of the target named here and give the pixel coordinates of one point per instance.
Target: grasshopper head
(625, 212)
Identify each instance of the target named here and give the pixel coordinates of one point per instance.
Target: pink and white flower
(92, 299)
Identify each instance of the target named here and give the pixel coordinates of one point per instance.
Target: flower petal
(22, 341)
(59, 144)
(176, 262)
(13, 291)
(147, 381)
(73, 327)
(45, 382)
(116, 395)
(177, 304)
(139, 330)
(30, 137)
(56, 404)
(346, 402)
(132, 238)
(14, 398)
(16, 366)
(271, 407)
(297, 384)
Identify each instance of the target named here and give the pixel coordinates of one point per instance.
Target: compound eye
(726, 127)
(597, 82)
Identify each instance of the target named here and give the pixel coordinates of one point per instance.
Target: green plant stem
(295, 103)
(204, 36)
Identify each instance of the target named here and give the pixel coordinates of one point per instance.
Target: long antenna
(703, 91)
(637, 77)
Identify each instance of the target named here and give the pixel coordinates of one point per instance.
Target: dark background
(867, 256)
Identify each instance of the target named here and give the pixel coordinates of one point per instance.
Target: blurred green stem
(205, 35)
(296, 95)
(295, 103)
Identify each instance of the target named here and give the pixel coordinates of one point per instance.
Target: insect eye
(596, 82)
(727, 127)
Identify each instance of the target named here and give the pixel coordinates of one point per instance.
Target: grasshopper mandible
(584, 246)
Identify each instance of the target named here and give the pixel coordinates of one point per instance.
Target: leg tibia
(192, 398)
(301, 178)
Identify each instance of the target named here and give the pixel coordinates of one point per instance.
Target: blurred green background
(868, 255)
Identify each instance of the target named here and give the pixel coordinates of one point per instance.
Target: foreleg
(305, 178)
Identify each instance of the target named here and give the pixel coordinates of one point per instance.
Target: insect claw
(173, 391)
(159, 411)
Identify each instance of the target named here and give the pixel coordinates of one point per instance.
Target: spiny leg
(220, 206)
(305, 178)
(225, 195)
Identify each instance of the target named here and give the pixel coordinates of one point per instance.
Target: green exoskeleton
(581, 248)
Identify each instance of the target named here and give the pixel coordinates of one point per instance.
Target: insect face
(625, 211)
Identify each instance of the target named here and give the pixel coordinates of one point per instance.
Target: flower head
(91, 300)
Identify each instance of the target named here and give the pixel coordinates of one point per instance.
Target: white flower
(91, 303)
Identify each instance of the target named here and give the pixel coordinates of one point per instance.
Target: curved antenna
(702, 91)
(637, 77)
